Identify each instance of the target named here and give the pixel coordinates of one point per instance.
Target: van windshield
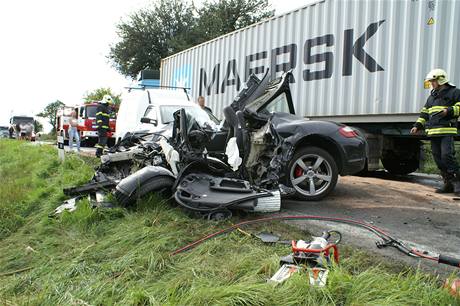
(201, 116)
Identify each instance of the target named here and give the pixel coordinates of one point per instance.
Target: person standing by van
(201, 103)
(73, 131)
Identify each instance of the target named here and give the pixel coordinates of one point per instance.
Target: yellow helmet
(107, 99)
(439, 75)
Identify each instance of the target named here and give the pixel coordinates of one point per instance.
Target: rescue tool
(315, 257)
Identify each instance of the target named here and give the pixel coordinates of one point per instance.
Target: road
(406, 207)
(89, 151)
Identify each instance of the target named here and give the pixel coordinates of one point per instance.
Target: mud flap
(130, 184)
(203, 192)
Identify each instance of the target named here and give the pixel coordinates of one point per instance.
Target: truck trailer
(361, 63)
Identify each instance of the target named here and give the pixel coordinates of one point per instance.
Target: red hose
(274, 218)
(420, 254)
(387, 239)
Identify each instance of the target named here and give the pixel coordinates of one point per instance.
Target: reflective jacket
(103, 116)
(431, 118)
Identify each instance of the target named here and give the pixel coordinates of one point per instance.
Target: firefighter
(439, 119)
(102, 120)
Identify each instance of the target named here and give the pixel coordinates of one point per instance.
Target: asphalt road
(90, 151)
(406, 207)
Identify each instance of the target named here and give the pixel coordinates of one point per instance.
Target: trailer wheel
(161, 184)
(400, 166)
(313, 173)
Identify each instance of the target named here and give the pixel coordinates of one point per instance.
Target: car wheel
(313, 173)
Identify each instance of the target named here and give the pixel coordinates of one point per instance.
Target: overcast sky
(54, 49)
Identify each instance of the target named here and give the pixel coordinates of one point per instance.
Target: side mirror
(150, 121)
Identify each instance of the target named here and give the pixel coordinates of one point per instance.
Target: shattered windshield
(278, 104)
(271, 89)
(200, 116)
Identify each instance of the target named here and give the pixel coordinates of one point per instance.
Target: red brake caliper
(298, 171)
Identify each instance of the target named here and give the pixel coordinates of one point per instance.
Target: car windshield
(22, 120)
(278, 104)
(91, 111)
(203, 118)
(259, 102)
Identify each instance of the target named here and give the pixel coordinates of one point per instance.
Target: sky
(57, 50)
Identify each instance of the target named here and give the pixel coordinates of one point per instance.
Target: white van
(157, 104)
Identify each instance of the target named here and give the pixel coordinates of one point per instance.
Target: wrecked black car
(260, 145)
(258, 153)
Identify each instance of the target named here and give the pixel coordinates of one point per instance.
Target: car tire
(162, 184)
(318, 170)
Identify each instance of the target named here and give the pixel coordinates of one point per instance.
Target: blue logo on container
(182, 76)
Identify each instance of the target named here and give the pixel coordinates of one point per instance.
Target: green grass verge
(119, 256)
(429, 166)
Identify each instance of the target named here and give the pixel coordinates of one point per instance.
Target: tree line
(168, 27)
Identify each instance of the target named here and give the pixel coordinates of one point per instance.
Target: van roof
(160, 96)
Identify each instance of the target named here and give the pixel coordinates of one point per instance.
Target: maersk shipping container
(357, 62)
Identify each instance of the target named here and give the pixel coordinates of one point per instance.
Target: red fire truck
(87, 126)
(87, 123)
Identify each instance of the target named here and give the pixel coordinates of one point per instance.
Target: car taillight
(348, 132)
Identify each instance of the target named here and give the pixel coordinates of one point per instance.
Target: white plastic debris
(269, 204)
(284, 273)
(69, 205)
(233, 154)
(318, 276)
(172, 156)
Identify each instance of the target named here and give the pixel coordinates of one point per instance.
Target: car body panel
(298, 130)
(352, 151)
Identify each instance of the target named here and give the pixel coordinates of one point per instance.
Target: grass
(429, 166)
(119, 256)
(47, 137)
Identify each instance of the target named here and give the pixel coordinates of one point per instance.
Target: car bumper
(93, 134)
(354, 155)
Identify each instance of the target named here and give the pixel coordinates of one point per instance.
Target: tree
(99, 93)
(151, 34)
(223, 16)
(50, 113)
(38, 127)
(168, 27)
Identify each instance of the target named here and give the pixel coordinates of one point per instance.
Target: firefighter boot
(448, 186)
(456, 183)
